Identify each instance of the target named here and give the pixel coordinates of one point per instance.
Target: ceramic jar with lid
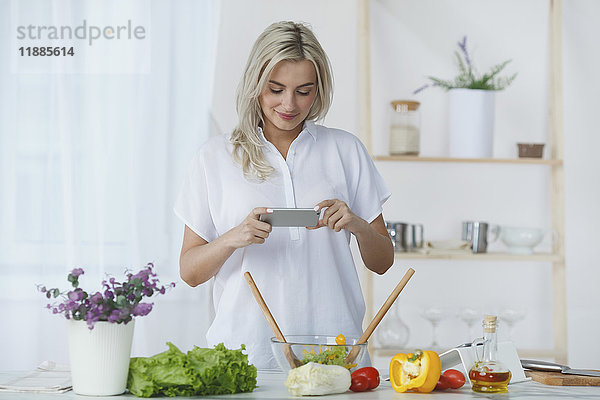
(405, 125)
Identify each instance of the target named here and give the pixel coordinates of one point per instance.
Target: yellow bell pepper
(418, 372)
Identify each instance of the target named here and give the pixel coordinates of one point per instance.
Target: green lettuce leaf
(199, 372)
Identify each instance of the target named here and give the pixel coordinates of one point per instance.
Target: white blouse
(307, 277)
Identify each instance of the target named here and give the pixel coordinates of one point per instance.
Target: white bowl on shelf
(520, 240)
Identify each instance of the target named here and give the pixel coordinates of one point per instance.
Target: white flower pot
(471, 123)
(99, 357)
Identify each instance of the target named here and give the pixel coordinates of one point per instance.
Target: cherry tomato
(359, 383)
(370, 373)
(455, 378)
(443, 383)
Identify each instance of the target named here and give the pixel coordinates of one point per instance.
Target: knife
(553, 367)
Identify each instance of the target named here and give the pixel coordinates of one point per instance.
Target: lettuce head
(199, 372)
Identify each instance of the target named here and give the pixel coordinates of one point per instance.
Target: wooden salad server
(377, 319)
(287, 349)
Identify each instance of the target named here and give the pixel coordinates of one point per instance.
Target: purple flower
(142, 275)
(425, 86)
(463, 48)
(91, 317)
(117, 302)
(76, 295)
(96, 298)
(114, 316)
(77, 272)
(142, 309)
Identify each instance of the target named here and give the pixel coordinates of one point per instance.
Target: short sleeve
(370, 191)
(192, 205)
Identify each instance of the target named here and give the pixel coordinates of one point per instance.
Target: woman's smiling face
(288, 96)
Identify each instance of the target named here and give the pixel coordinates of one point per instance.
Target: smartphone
(292, 217)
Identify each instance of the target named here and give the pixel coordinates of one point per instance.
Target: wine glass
(511, 316)
(470, 316)
(434, 315)
(393, 332)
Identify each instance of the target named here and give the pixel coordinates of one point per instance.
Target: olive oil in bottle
(489, 375)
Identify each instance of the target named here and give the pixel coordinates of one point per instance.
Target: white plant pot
(99, 357)
(471, 123)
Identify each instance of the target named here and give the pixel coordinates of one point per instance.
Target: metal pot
(405, 237)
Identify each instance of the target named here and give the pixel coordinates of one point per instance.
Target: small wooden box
(531, 150)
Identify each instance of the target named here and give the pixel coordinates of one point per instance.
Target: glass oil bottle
(489, 375)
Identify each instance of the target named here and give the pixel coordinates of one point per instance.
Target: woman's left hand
(338, 216)
(374, 242)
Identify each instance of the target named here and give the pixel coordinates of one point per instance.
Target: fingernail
(317, 208)
(269, 210)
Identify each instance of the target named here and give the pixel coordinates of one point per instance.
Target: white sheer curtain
(90, 165)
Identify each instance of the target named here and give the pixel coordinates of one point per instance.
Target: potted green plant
(100, 327)
(471, 105)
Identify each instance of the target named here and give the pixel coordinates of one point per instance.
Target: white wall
(582, 175)
(334, 23)
(415, 38)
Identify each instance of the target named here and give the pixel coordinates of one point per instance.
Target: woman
(278, 157)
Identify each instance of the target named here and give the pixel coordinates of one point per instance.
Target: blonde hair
(281, 41)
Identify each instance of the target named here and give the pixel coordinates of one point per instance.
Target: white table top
(270, 386)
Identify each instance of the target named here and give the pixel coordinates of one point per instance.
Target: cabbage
(317, 379)
(199, 372)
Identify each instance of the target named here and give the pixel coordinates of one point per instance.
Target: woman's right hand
(250, 231)
(201, 260)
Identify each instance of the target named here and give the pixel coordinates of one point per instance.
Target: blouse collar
(309, 126)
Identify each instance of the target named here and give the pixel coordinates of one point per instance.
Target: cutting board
(558, 379)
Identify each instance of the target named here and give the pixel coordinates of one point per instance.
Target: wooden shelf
(557, 189)
(535, 257)
(537, 161)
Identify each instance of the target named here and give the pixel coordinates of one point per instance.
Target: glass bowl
(316, 348)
